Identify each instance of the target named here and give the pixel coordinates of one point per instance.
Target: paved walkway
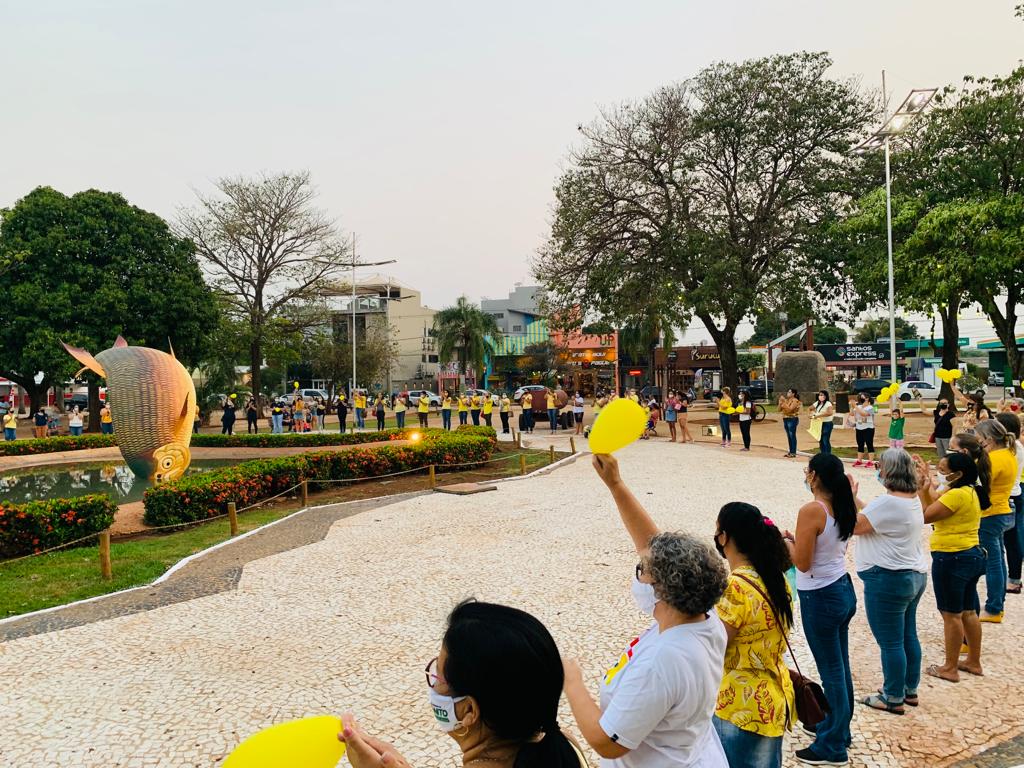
(347, 622)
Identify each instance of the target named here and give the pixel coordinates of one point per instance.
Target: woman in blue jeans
(1014, 538)
(891, 563)
(827, 600)
(824, 410)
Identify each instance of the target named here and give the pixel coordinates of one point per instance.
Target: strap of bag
(785, 635)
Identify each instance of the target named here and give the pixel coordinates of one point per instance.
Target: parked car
(533, 389)
(910, 389)
(414, 396)
(871, 387)
(82, 401)
(759, 389)
(996, 379)
(307, 395)
(495, 399)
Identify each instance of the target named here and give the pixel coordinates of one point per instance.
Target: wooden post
(305, 493)
(433, 478)
(105, 570)
(572, 444)
(232, 518)
(522, 463)
(551, 450)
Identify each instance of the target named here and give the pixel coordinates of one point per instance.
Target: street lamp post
(352, 387)
(900, 121)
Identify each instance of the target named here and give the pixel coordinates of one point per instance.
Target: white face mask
(444, 710)
(643, 596)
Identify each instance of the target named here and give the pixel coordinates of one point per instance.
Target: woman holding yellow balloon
(725, 409)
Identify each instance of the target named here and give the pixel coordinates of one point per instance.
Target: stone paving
(348, 622)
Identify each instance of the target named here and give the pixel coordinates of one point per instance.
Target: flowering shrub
(54, 444)
(483, 431)
(205, 495)
(289, 439)
(39, 525)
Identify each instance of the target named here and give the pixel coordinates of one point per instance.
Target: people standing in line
(10, 425)
(277, 418)
(657, 702)
(942, 417)
(227, 416)
(745, 409)
(890, 561)
(897, 422)
(997, 518)
(446, 410)
(824, 411)
(757, 611)
(789, 407)
(505, 412)
(252, 414)
(671, 415)
(864, 426)
(75, 423)
(106, 420)
(463, 409)
(423, 410)
(359, 400)
(379, 411)
(958, 561)
(724, 404)
(401, 406)
(527, 404)
(474, 408)
(552, 411)
(1013, 539)
(683, 417)
(828, 603)
(487, 409)
(342, 408)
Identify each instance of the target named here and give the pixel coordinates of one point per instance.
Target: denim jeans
(955, 579)
(277, 423)
(825, 443)
(76, 431)
(891, 599)
(360, 417)
(446, 418)
(553, 418)
(825, 614)
(463, 416)
(1013, 540)
(725, 427)
(746, 749)
(990, 536)
(475, 414)
(107, 429)
(10, 434)
(400, 419)
(790, 425)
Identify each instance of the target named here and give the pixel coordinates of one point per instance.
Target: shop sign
(698, 354)
(856, 353)
(636, 372)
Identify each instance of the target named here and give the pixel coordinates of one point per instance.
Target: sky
(435, 130)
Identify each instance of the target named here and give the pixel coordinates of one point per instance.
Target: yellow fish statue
(153, 406)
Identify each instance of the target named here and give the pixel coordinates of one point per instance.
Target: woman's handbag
(811, 704)
(931, 437)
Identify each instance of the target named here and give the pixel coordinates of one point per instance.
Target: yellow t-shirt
(400, 406)
(959, 531)
(724, 402)
(756, 692)
(488, 405)
(476, 402)
(446, 404)
(527, 402)
(423, 406)
(360, 401)
(1004, 477)
(506, 404)
(10, 421)
(105, 416)
(551, 401)
(463, 404)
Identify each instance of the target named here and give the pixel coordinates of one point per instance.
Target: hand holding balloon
(364, 751)
(607, 469)
(307, 743)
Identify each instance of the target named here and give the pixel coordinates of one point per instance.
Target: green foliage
(32, 446)
(478, 431)
(39, 525)
(464, 332)
(829, 334)
(198, 497)
(878, 328)
(298, 439)
(749, 361)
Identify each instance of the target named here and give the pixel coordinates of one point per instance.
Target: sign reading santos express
(856, 353)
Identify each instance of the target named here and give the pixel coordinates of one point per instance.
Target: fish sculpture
(153, 406)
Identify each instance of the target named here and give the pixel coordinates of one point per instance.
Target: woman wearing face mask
(1013, 539)
(498, 722)
(943, 418)
(958, 561)
(827, 600)
(824, 410)
(864, 415)
(658, 699)
(757, 611)
(892, 565)
(997, 518)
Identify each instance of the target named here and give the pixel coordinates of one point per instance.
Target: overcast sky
(434, 130)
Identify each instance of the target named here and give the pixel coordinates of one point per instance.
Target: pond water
(63, 481)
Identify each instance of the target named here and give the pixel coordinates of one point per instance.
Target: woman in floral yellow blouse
(755, 703)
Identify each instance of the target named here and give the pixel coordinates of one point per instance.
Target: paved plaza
(346, 620)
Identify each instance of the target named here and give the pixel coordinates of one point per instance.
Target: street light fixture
(352, 388)
(900, 121)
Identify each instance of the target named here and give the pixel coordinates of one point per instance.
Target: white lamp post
(355, 264)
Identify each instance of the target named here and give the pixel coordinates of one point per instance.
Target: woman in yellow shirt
(724, 404)
(401, 406)
(488, 407)
(463, 409)
(958, 561)
(423, 410)
(997, 518)
(446, 410)
(756, 701)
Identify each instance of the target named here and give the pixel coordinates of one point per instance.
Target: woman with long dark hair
(745, 409)
(757, 612)
(827, 601)
(497, 720)
(1014, 538)
(864, 417)
(997, 518)
(825, 411)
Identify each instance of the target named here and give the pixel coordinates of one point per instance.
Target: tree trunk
(725, 342)
(94, 405)
(950, 347)
(36, 392)
(255, 362)
(1006, 330)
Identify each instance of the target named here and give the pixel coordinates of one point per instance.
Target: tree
(87, 268)
(328, 357)
(878, 328)
(748, 361)
(270, 251)
(829, 334)
(464, 332)
(702, 197)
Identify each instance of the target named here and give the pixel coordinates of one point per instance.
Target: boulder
(802, 371)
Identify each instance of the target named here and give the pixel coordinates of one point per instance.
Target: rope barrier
(51, 549)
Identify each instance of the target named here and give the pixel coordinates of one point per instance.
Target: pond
(63, 481)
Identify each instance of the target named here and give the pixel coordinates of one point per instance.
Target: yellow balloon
(621, 422)
(956, 374)
(295, 384)
(944, 375)
(730, 410)
(308, 743)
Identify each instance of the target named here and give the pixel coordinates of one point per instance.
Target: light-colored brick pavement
(349, 623)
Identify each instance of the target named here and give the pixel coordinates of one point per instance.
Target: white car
(432, 397)
(912, 390)
(483, 393)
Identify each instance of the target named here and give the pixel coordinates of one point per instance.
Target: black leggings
(252, 424)
(744, 430)
(865, 440)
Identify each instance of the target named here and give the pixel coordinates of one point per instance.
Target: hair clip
(768, 521)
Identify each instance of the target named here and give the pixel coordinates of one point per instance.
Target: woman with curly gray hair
(658, 699)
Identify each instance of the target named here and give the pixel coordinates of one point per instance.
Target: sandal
(1013, 589)
(911, 699)
(877, 702)
(933, 671)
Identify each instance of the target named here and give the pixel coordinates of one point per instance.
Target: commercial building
(589, 361)
(515, 313)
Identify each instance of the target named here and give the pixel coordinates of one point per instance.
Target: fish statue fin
(86, 359)
(171, 348)
(120, 342)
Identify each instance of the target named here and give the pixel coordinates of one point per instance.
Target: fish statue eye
(171, 462)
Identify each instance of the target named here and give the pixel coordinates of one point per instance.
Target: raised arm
(639, 525)
(926, 490)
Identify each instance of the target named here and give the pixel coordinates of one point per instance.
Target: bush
(39, 525)
(287, 439)
(201, 496)
(481, 431)
(54, 444)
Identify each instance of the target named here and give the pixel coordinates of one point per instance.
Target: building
(383, 302)
(589, 361)
(515, 313)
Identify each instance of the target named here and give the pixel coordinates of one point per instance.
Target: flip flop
(877, 702)
(933, 671)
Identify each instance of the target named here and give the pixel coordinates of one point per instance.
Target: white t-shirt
(658, 700)
(867, 420)
(577, 405)
(745, 410)
(896, 542)
(1020, 465)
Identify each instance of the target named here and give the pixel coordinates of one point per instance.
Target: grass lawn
(851, 453)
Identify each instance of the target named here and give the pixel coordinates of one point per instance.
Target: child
(896, 422)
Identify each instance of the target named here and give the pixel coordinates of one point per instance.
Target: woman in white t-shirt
(658, 699)
(864, 418)
(891, 562)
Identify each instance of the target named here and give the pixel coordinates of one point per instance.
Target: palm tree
(466, 333)
(641, 338)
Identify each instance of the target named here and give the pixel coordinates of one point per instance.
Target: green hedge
(39, 525)
(200, 496)
(54, 444)
(286, 439)
(482, 431)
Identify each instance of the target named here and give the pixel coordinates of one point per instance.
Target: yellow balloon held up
(949, 376)
(295, 384)
(621, 422)
(308, 743)
(730, 410)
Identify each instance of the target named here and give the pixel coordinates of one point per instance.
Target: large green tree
(464, 333)
(87, 268)
(701, 198)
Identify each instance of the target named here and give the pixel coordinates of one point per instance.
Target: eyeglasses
(432, 677)
(639, 570)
